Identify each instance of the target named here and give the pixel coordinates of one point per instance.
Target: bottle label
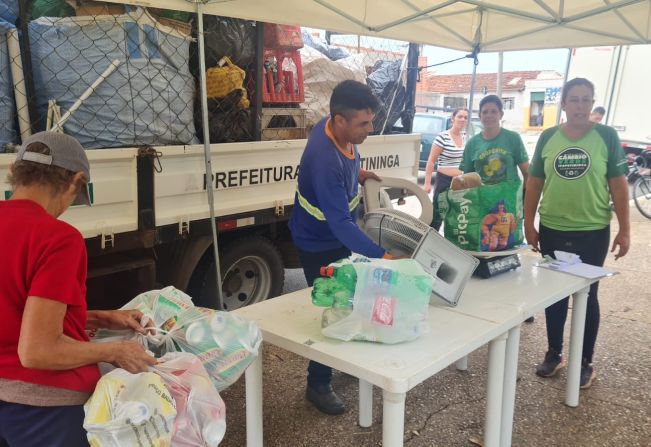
(382, 276)
(383, 310)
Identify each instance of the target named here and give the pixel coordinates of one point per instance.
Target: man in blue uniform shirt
(323, 219)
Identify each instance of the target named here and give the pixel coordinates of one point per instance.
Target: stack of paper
(571, 263)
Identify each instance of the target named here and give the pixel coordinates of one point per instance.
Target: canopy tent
(466, 25)
(458, 24)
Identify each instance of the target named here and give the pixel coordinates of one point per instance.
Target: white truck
(149, 223)
(620, 75)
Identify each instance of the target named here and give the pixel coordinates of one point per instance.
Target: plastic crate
(286, 87)
(285, 37)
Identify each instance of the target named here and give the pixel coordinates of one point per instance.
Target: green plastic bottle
(345, 275)
(329, 292)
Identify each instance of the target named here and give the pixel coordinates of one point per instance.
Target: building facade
(530, 97)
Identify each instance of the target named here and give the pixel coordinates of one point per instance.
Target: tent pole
(473, 80)
(567, 74)
(500, 70)
(412, 79)
(615, 83)
(206, 150)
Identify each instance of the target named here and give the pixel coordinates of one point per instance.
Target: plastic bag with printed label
(160, 307)
(130, 410)
(485, 218)
(225, 343)
(390, 302)
(201, 413)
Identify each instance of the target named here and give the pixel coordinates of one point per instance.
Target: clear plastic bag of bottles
(225, 343)
(376, 300)
(201, 413)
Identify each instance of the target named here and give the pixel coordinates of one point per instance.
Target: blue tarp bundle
(9, 11)
(7, 106)
(147, 100)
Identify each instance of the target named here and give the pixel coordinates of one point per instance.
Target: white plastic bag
(130, 410)
(162, 308)
(201, 413)
(109, 336)
(390, 305)
(226, 344)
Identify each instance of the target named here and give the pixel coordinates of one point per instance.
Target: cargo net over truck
(115, 75)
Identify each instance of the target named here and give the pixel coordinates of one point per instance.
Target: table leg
(496, 354)
(462, 364)
(393, 419)
(579, 306)
(254, 428)
(510, 379)
(365, 403)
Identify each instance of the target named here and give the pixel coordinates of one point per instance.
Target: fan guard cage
(395, 230)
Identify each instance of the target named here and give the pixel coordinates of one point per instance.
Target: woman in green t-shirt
(495, 153)
(576, 167)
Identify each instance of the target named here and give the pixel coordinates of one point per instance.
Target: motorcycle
(639, 163)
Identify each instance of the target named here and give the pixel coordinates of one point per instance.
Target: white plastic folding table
(490, 311)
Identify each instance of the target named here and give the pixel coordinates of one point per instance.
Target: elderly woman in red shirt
(48, 368)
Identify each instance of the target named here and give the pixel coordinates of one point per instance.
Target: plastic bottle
(136, 412)
(329, 292)
(197, 333)
(344, 274)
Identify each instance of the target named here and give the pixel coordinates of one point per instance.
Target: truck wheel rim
(247, 281)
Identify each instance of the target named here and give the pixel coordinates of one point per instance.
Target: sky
(513, 60)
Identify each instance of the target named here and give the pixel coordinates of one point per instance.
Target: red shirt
(44, 257)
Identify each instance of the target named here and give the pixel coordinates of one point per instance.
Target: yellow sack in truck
(225, 78)
(130, 410)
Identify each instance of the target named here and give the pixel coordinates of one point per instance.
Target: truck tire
(251, 269)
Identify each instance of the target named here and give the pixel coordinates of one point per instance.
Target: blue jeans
(29, 426)
(317, 373)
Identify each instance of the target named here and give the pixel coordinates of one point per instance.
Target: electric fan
(405, 235)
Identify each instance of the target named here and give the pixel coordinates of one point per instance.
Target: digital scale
(494, 263)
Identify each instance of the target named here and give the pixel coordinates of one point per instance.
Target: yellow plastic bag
(225, 78)
(130, 409)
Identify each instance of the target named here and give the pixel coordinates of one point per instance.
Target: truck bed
(247, 177)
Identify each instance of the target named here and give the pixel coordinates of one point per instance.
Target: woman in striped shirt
(448, 151)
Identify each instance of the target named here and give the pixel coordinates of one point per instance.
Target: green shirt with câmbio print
(576, 173)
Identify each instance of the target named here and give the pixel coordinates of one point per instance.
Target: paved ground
(448, 409)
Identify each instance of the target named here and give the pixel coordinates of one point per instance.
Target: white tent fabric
(459, 24)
